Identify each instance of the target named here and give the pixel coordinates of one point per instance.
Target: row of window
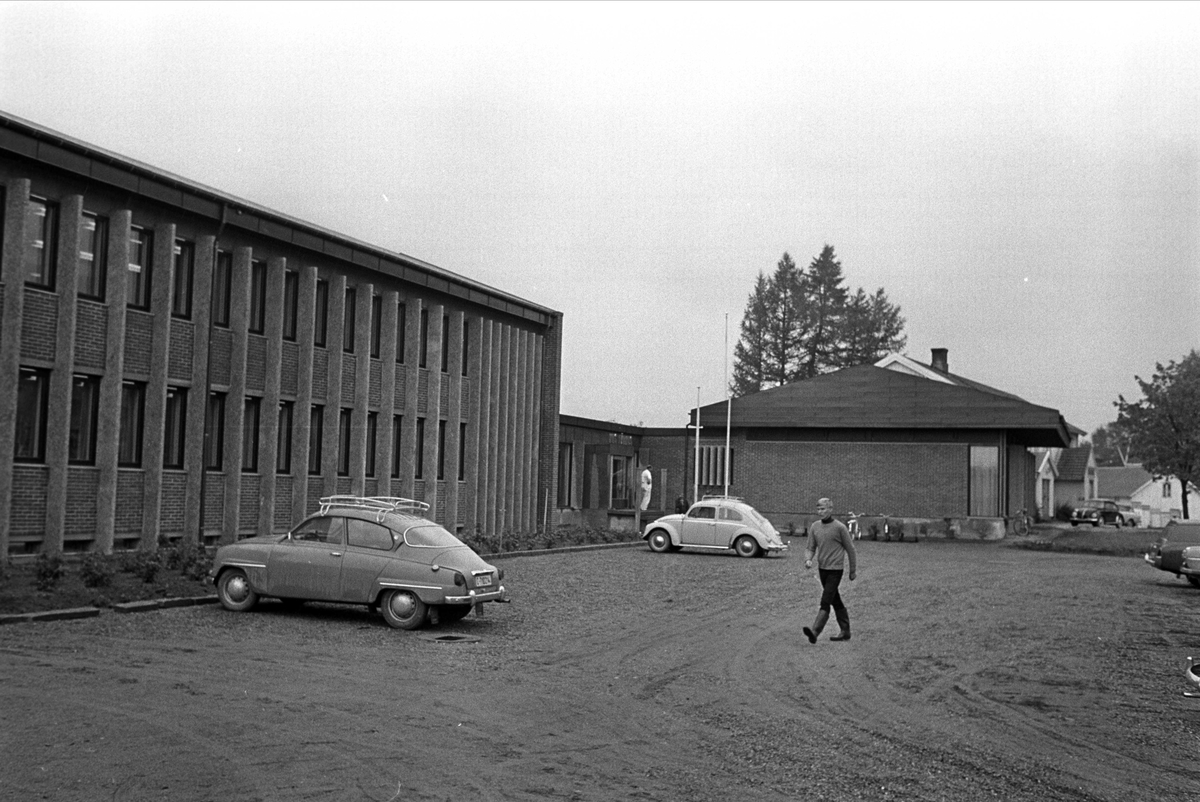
(40, 258)
(33, 402)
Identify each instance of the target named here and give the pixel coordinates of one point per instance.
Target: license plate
(483, 581)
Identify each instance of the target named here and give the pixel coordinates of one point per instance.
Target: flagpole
(696, 472)
(728, 405)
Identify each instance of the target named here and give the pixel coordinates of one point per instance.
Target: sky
(1021, 179)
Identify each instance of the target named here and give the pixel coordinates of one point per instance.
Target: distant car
(1099, 511)
(716, 523)
(1178, 552)
(377, 551)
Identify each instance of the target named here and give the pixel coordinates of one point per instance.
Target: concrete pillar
(493, 501)
(58, 416)
(268, 442)
(235, 399)
(387, 393)
(433, 411)
(302, 413)
(364, 294)
(333, 395)
(408, 435)
(454, 414)
(161, 275)
(504, 464)
(543, 506)
(475, 353)
(108, 426)
(193, 457)
(16, 198)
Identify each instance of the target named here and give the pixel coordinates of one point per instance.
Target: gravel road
(976, 671)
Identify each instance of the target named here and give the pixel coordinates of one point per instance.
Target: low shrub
(96, 570)
(142, 563)
(48, 570)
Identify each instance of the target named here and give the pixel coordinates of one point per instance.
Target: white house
(1157, 500)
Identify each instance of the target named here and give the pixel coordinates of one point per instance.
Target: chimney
(938, 361)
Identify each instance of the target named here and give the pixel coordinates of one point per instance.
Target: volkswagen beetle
(716, 523)
(378, 551)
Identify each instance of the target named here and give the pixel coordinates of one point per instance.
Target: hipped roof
(868, 397)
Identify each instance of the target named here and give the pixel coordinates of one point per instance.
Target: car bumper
(472, 597)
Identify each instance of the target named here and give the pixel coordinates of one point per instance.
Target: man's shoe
(841, 636)
(812, 636)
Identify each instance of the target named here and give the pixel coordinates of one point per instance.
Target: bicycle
(1022, 523)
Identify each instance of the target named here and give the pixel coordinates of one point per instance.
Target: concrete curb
(563, 550)
(51, 615)
(92, 612)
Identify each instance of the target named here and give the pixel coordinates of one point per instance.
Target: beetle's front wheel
(403, 610)
(659, 541)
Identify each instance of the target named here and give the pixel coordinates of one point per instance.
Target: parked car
(716, 523)
(1097, 511)
(377, 551)
(1178, 551)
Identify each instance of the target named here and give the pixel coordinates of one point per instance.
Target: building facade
(177, 362)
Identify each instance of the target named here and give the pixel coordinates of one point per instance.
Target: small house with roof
(1076, 480)
(1157, 501)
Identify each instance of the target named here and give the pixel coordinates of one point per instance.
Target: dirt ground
(975, 671)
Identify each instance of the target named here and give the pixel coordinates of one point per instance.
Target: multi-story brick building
(175, 361)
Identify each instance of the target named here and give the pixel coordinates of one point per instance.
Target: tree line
(801, 323)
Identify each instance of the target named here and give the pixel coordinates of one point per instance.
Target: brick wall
(256, 362)
(180, 366)
(138, 338)
(129, 502)
(82, 491)
(39, 325)
(289, 369)
(91, 334)
(29, 499)
(174, 491)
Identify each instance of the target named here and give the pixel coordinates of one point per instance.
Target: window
(376, 323)
(345, 422)
(222, 278)
(326, 529)
(368, 535)
(566, 474)
(712, 466)
(348, 323)
(372, 425)
(419, 471)
(397, 424)
(707, 513)
(291, 294)
(316, 430)
(401, 318)
(462, 451)
(41, 218)
(133, 410)
(321, 313)
(175, 428)
(424, 338)
(728, 514)
(283, 450)
(441, 450)
(33, 392)
(141, 249)
(984, 481)
(85, 407)
(181, 280)
(1166, 488)
(445, 343)
(93, 256)
(250, 426)
(619, 482)
(466, 338)
(214, 432)
(258, 297)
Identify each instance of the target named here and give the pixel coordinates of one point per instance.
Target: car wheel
(659, 541)
(746, 546)
(1074, 523)
(403, 610)
(1195, 580)
(1095, 523)
(234, 591)
(1119, 523)
(449, 613)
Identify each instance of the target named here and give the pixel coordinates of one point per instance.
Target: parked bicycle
(1022, 523)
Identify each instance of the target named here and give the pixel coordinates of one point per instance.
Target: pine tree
(824, 313)
(750, 352)
(872, 329)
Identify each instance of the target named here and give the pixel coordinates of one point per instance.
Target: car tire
(1095, 523)
(1120, 522)
(659, 541)
(746, 546)
(234, 591)
(1195, 580)
(403, 610)
(1074, 523)
(450, 613)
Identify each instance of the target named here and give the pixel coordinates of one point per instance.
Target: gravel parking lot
(976, 671)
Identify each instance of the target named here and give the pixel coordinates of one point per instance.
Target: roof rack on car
(708, 496)
(381, 504)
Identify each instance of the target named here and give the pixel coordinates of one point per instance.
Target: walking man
(830, 544)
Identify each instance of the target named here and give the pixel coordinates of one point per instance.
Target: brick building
(177, 361)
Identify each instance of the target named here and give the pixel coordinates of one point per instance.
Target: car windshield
(430, 536)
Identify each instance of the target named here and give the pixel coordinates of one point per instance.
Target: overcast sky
(1022, 179)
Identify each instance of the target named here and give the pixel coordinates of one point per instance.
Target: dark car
(1178, 551)
(377, 551)
(1097, 511)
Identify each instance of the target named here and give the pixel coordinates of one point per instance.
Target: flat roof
(40, 144)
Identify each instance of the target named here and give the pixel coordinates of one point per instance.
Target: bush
(143, 563)
(48, 569)
(1063, 511)
(96, 570)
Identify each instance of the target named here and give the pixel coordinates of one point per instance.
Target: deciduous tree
(1164, 426)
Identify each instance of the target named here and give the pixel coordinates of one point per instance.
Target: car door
(698, 527)
(369, 548)
(729, 523)
(308, 564)
(1109, 512)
